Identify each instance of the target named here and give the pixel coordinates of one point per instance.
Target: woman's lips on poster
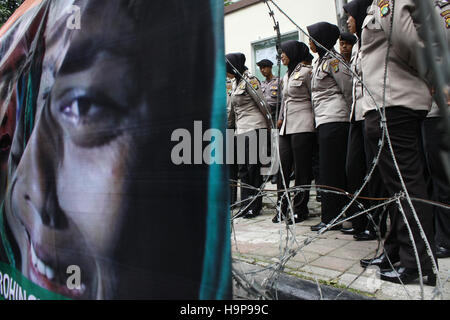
(49, 275)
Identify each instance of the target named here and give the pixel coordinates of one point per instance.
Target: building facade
(250, 29)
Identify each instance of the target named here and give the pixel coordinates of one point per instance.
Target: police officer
(249, 111)
(433, 147)
(270, 90)
(357, 164)
(270, 87)
(332, 97)
(346, 43)
(407, 101)
(296, 124)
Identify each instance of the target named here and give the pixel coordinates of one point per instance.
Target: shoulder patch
(446, 15)
(384, 7)
(255, 83)
(335, 65)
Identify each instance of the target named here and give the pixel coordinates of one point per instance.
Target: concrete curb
(291, 288)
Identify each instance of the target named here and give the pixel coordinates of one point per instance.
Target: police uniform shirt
(248, 107)
(296, 110)
(270, 90)
(404, 86)
(331, 88)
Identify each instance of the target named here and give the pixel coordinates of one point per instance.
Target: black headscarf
(358, 10)
(326, 34)
(349, 37)
(238, 62)
(296, 52)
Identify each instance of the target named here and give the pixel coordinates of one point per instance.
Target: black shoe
(274, 179)
(348, 231)
(406, 275)
(365, 236)
(381, 261)
(442, 252)
(298, 218)
(250, 214)
(277, 219)
(322, 225)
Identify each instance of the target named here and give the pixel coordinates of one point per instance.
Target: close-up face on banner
(92, 206)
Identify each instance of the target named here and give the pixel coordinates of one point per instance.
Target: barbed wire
(286, 253)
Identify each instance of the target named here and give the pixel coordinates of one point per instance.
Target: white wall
(253, 23)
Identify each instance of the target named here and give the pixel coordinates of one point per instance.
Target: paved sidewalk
(331, 259)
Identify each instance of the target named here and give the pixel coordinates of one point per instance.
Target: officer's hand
(279, 123)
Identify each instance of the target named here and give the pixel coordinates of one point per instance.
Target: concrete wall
(253, 23)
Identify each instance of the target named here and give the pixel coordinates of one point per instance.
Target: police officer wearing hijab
(296, 124)
(405, 100)
(248, 110)
(357, 160)
(332, 97)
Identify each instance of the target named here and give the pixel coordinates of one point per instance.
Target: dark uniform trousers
(377, 189)
(359, 162)
(333, 138)
(250, 173)
(404, 127)
(315, 160)
(296, 153)
(439, 180)
(356, 170)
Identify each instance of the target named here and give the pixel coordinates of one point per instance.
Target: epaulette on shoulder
(441, 3)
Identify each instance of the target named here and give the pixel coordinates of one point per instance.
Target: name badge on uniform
(335, 65)
(384, 8)
(274, 90)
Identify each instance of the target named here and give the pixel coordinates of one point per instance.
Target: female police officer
(331, 96)
(249, 112)
(296, 123)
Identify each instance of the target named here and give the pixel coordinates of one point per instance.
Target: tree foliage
(7, 8)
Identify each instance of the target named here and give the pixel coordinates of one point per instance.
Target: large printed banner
(92, 206)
